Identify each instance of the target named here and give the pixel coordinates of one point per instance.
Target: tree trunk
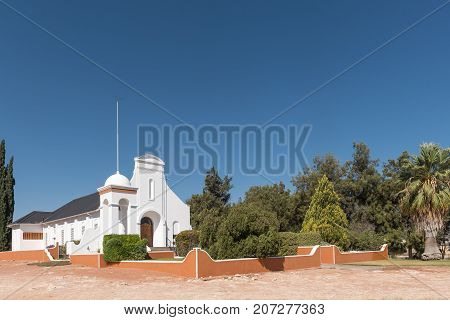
(410, 253)
(431, 247)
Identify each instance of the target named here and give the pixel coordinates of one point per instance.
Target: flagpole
(117, 135)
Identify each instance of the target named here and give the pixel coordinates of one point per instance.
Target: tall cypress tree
(3, 197)
(326, 216)
(10, 182)
(6, 198)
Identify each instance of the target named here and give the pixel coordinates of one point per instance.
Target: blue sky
(212, 62)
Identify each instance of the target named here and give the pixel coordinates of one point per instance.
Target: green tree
(7, 183)
(215, 196)
(248, 231)
(216, 186)
(389, 215)
(307, 181)
(358, 190)
(210, 208)
(426, 195)
(275, 198)
(326, 216)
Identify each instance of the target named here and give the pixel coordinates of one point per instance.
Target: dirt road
(19, 280)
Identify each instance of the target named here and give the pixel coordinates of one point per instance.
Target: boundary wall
(199, 264)
(31, 255)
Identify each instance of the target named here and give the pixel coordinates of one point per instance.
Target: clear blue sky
(212, 62)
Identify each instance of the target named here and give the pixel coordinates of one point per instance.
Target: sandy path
(18, 280)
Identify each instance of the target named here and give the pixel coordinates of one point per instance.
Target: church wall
(53, 231)
(157, 204)
(178, 215)
(149, 203)
(15, 238)
(21, 244)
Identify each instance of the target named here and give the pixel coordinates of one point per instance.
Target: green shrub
(248, 231)
(366, 240)
(291, 240)
(185, 241)
(396, 240)
(268, 244)
(124, 247)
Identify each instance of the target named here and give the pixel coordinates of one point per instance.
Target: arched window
(151, 189)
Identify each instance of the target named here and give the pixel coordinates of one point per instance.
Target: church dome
(118, 180)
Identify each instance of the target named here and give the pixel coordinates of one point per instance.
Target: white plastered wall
(161, 204)
(19, 244)
(53, 230)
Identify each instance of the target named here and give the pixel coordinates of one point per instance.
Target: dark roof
(84, 204)
(81, 205)
(34, 217)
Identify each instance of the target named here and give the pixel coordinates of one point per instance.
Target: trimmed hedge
(291, 240)
(248, 231)
(124, 247)
(185, 241)
(366, 240)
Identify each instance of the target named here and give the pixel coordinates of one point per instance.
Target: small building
(144, 205)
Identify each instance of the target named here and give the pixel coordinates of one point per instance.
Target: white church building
(144, 205)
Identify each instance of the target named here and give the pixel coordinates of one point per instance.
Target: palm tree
(426, 196)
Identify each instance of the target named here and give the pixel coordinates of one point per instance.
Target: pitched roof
(84, 204)
(33, 217)
(80, 205)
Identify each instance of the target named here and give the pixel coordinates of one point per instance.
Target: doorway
(147, 230)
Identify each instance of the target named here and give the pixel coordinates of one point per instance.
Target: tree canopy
(365, 198)
(325, 215)
(426, 195)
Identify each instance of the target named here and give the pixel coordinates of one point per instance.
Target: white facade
(18, 241)
(124, 205)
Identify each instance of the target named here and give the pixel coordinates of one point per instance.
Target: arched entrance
(147, 230)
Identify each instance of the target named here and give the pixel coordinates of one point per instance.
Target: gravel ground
(20, 280)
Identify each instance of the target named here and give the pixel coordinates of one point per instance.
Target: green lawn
(405, 263)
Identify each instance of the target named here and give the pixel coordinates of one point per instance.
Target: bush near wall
(396, 240)
(291, 240)
(124, 247)
(185, 241)
(248, 231)
(366, 240)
